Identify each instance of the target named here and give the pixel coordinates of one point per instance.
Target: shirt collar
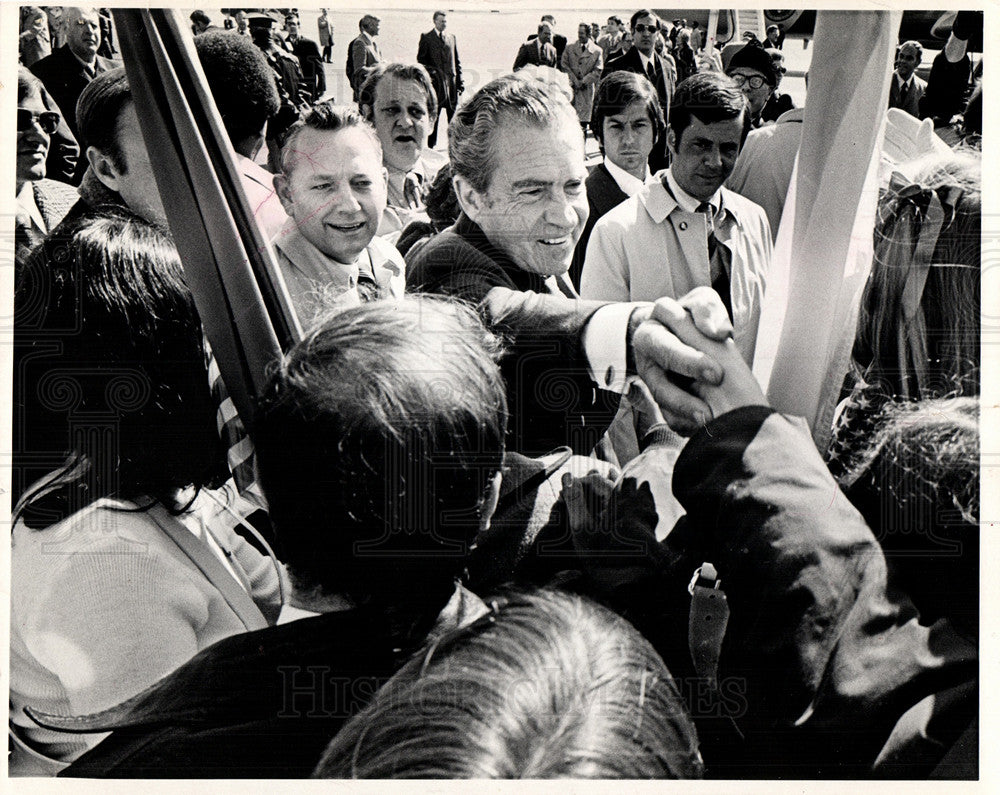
(686, 201)
(629, 184)
(900, 82)
(646, 61)
(26, 201)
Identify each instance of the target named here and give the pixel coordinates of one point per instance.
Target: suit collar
(472, 233)
(659, 203)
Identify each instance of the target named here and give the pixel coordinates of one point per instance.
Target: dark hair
(472, 132)
(709, 97)
(619, 90)
(401, 71)
(548, 685)
(200, 16)
(98, 112)
(108, 302)
(241, 81)
(377, 438)
(642, 12)
(27, 85)
(325, 116)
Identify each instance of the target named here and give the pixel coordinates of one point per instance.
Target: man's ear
(671, 141)
(103, 168)
(490, 501)
(367, 112)
(470, 200)
(280, 182)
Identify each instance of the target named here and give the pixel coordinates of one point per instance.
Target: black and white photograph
(499, 390)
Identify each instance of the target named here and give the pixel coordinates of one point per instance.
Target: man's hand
(664, 361)
(737, 387)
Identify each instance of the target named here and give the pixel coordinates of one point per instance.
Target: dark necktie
(718, 271)
(651, 72)
(904, 91)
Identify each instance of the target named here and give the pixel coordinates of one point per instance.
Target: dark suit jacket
(911, 104)
(441, 61)
(362, 58)
(551, 398)
(311, 64)
(666, 81)
(64, 77)
(603, 194)
(528, 54)
(666, 73)
(262, 704)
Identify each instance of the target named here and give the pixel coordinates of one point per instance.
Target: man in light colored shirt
(685, 230)
(333, 187)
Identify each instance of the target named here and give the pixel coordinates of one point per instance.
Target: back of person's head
(324, 116)
(127, 352)
(709, 97)
(28, 86)
(547, 685)
(619, 90)
(442, 203)
(378, 438)
(917, 485)
(401, 71)
(241, 82)
(919, 322)
(472, 132)
(97, 112)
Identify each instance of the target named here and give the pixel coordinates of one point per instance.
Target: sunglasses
(48, 120)
(755, 81)
(645, 28)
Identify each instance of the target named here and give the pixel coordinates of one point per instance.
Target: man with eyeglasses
(752, 69)
(70, 68)
(41, 202)
(659, 69)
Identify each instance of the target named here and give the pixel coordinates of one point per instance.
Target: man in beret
(753, 71)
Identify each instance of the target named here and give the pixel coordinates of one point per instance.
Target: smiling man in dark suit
(438, 53)
(643, 59)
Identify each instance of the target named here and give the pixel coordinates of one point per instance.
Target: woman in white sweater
(121, 569)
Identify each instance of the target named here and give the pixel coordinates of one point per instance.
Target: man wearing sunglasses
(753, 70)
(41, 202)
(659, 69)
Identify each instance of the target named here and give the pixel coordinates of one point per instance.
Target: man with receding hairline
(70, 68)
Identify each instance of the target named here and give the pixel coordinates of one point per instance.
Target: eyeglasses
(755, 81)
(48, 120)
(645, 28)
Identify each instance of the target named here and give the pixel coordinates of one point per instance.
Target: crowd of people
(515, 505)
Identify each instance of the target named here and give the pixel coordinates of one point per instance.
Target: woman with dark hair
(120, 569)
(546, 685)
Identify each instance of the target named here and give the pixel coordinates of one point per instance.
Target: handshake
(690, 369)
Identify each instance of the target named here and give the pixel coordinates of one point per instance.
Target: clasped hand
(685, 354)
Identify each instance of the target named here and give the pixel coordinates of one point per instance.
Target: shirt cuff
(604, 343)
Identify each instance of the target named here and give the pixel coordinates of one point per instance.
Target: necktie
(718, 272)
(904, 90)
(651, 72)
